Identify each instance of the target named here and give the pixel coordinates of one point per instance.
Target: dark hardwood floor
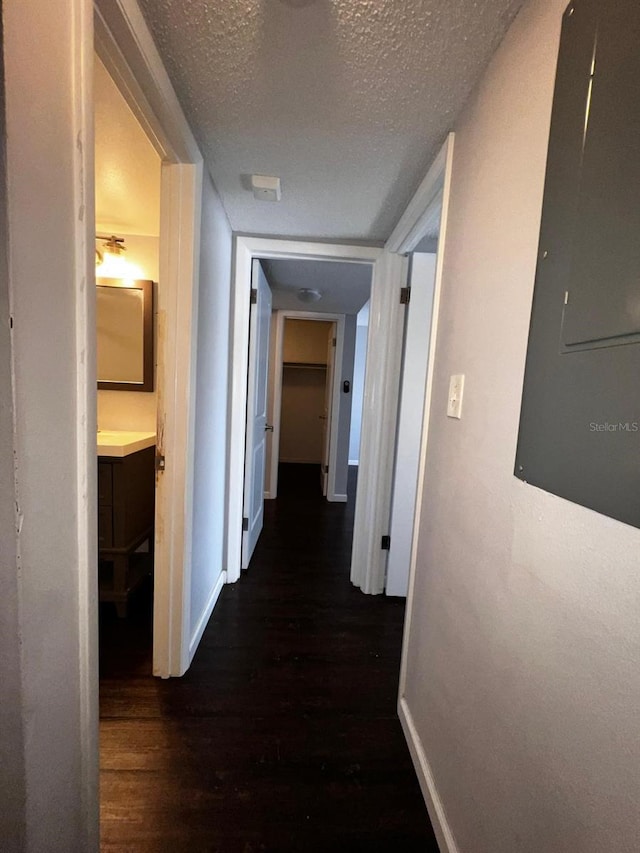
(283, 735)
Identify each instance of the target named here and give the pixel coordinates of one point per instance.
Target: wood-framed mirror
(124, 322)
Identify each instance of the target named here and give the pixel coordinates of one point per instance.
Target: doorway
(123, 46)
(127, 193)
(307, 422)
(381, 392)
(307, 395)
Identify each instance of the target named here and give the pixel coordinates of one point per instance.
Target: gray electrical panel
(580, 420)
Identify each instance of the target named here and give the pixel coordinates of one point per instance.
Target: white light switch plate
(456, 390)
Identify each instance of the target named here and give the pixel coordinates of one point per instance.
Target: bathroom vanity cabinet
(126, 487)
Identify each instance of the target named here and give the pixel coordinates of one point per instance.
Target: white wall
(213, 331)
(344, 417)
(357, 391)
(50, 215)
(135, 410)
(524, 642)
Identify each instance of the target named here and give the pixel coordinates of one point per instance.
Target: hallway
(283, 735)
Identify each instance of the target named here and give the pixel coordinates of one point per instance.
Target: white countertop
(118, 442)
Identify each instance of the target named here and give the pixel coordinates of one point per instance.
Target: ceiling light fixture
(308, 294)
(111, 262)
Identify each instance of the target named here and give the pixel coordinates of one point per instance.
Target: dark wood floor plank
(283, 735)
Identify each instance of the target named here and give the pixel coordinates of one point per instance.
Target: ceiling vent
(266, 187)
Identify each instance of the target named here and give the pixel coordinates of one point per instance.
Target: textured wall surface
(347, 100)
(127, 179)
(48, 201)
(524, 654)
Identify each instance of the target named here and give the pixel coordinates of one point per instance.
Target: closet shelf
(306, 365)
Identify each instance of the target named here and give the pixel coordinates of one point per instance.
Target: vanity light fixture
(112, 245)
(309, 294)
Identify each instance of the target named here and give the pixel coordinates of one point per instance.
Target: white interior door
(409, 436)
(327, 413)
(256, 444)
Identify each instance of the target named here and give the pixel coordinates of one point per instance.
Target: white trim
(125, 45)
(437, 189)
(446, 164)
(206, 615)
(86, 396)
(424, 207)
(339, 498)
(179, 269)
(275, 413)
(441, 827)
(379, 419)
(353, 462)
(385, 267)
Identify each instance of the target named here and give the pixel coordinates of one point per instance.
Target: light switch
(456, 390)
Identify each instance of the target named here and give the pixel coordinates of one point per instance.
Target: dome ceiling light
(308, 294)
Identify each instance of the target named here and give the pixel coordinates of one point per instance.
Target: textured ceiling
(127, 166)
(345, 287)
(348, 101)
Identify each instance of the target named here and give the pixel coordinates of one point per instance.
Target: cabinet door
(105, 527)
(105, 484)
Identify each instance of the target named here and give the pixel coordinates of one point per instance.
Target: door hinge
(385, 545)
(333, 342)
(160, 462)
(254, 296)
(405, 295)
(325, 468)
(245, 523)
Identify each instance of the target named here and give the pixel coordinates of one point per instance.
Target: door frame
(413, 382)
(381, 393)
(276, 399)
(125, 45)
(433, 195)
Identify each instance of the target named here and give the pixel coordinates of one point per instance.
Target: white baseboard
(206, 615)
(355, 462)
(337, 499)
(444, 835)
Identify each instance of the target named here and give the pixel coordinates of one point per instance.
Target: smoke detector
(266, 187)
